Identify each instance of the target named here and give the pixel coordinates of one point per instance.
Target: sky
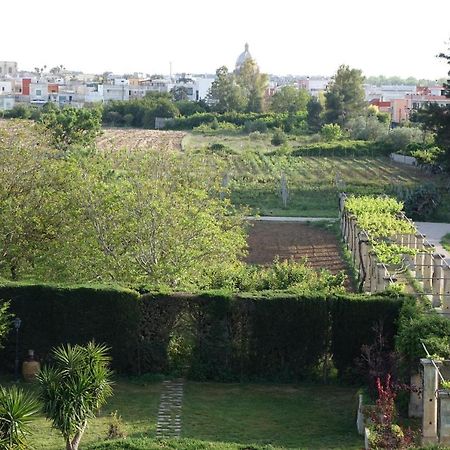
(299, 37)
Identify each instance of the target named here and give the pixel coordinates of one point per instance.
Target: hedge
(271, 120)
(345, 148)
(210, 336)
(52, 315)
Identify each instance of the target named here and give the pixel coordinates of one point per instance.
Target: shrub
(74, 388)
(331, 132)
(428, 155)
(367, 128)
(278, 138)
(399, 138)
(17, 409)
(255, 125)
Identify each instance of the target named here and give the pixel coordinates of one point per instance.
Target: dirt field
(114, 138)
(297, 240)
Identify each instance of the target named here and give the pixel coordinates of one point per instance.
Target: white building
(7, 102)
(39, 93)
(8, 69)
(6, 87)
(387, 93)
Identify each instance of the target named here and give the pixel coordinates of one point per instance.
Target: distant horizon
(290, 37)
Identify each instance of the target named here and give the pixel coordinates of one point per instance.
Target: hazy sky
(308, 37)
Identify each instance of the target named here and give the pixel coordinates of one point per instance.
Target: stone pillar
(415, 406)
(437, 282)
(430, 404)
(427, 269)
(381, 277)
(445, 304)
(419, 257)
(444, 416)
(365, 249)
(373, 273)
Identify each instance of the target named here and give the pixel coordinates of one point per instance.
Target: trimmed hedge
(275, 336)
(53, 315)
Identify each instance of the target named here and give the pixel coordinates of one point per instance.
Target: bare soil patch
(116, 138)
(299, 241)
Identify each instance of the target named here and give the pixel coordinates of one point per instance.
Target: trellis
(426, 269)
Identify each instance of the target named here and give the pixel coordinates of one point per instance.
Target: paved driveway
(434, 233)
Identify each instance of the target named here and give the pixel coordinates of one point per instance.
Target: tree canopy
(345, 97)
(289, 99)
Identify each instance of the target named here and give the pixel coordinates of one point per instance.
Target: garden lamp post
(17, 323)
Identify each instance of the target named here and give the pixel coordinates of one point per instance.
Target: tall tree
(314, 118)
(345, 97)
(253, 84)
(290, 100)
(225, 94)
(436, 118)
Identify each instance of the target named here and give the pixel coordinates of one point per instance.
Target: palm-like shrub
(74, 388)
(16, 411)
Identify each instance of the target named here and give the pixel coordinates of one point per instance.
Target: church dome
(243, 57)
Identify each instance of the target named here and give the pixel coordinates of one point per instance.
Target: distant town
(62, 87)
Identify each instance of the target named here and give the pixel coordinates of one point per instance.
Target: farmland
(253, 170)
(116, 138)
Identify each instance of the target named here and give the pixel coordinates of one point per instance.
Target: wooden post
(430, 404)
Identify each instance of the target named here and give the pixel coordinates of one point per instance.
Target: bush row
(211, 336)
(251, 121)
(342, 148)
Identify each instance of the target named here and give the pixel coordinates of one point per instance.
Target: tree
(74, 388)
(179, 93)
(345, 97)
(253, 84)
(314, 118)
(436, 118)
(290, 100)
(17, 409)
(71, 126)
(225, 94)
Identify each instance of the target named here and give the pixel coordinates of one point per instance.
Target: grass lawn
(254, 169)
(136, 403)
(225, 416)
(445, 241)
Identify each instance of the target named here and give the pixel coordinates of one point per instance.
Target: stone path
(434, 233)
(291, 219)
(169, 413)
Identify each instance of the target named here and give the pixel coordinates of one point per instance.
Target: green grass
(445, 241)
(224, 416)
(254, 168)
(136, 403)
(288, 416)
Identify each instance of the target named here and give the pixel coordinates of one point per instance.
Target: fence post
(430, 404)
(381, 277)
(419, 256)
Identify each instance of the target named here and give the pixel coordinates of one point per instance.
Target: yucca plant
(74, 388)
(16, 411)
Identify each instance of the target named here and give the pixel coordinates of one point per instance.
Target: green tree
(345, 96)
(179, 93)
(17, 409)
(290, 100)
(253, 84)
(225, 94)
(74, 388)
(436, 118)
(314, 118)
(72, 126)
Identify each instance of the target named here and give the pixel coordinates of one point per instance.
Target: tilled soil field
(116, 138)
(295, 240)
